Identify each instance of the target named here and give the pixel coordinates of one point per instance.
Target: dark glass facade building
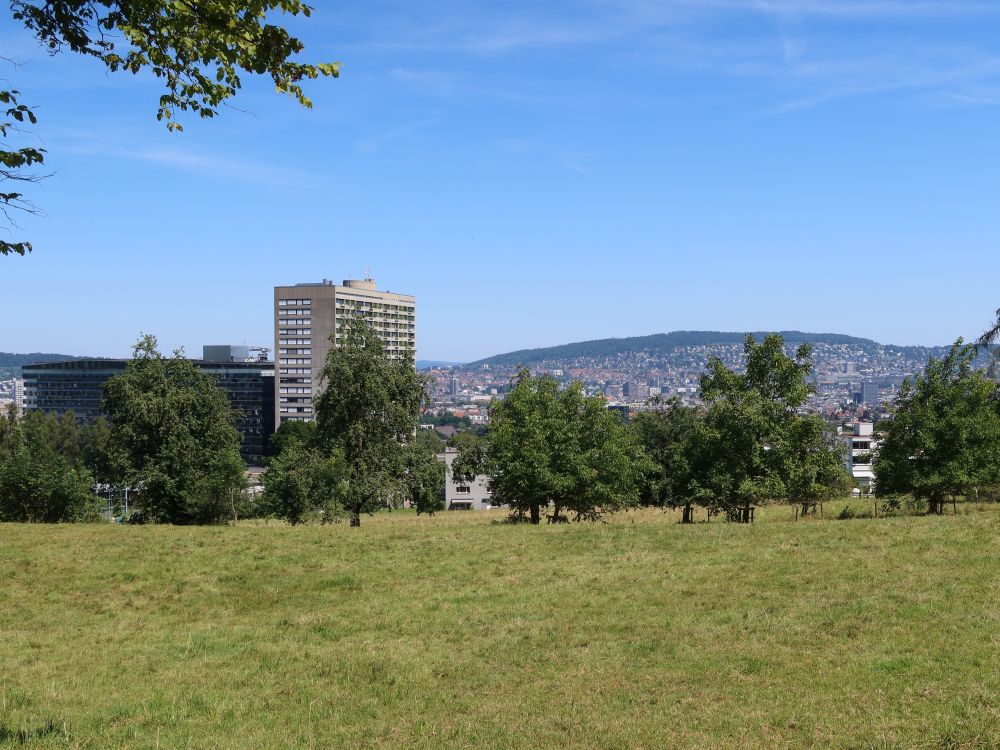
(78, 385)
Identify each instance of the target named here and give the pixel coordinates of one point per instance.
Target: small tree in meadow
(944, 436)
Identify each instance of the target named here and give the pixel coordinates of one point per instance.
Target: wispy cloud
(374, 142)
(808, 53)
(862, 9)
(207, 165)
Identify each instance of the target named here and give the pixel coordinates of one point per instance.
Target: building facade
(308, 321)
(474, 495)
(19, 396)
(78, 386)
(861, 445)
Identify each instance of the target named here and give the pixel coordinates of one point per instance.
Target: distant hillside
(427, 364)
(10, 364)
(661, 344)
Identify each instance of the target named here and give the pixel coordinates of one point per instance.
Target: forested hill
(662, 344)
(10, 364)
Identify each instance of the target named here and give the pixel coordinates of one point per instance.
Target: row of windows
(295, 351)
(295, 390)
(296, 410)
(301, 312)
(293, 342)
(293, 302)
(295, 371)
(295, 361)
(349, 302)
(293, 322)
(295, 381)
(295, 331)
(348, 309)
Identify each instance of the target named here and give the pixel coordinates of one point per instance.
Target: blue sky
(537, 173)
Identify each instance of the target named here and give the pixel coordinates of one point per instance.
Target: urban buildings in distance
(308, 321)
(854, 377)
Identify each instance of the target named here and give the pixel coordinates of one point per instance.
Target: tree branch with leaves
(200, 50)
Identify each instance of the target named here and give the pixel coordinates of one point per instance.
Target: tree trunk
(355, 517)
(687, 515)
(535, 514)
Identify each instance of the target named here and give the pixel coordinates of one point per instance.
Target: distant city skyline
(536, 174)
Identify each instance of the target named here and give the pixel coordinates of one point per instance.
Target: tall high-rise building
(307, 323)
(19, 396)
(869, 392)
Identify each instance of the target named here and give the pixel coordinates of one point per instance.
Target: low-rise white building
(474, 495)
(861, 444)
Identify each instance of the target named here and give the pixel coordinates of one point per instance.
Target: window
(463, 489)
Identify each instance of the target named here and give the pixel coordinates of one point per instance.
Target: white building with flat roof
(861, 444)
(474, 495)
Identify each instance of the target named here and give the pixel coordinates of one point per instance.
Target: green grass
(453, 632)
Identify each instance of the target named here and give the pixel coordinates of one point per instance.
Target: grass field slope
(457, 632)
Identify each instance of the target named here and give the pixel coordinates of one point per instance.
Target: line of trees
(557, 449)
(551, 451)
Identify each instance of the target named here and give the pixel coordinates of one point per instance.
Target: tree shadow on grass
(24, 736)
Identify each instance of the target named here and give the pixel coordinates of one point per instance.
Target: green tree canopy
(303, 484)
(672, 438)
(944, 437)
(368, 410)
(172, 438)
(430, 440)
(424, 478)
(756, 446)
(198, 49)
(304, 433)
(463, 440)
(37, 482)
(559, 448)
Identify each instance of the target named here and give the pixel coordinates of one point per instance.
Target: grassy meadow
(456, 632)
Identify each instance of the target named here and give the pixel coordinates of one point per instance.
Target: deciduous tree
(671, 437)
(368, 410)
(944, 436)
(559, 448)
(303, 484)
(37, 483)
(198, 49)
(424, 478)
(757, 448)
(172, 437)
